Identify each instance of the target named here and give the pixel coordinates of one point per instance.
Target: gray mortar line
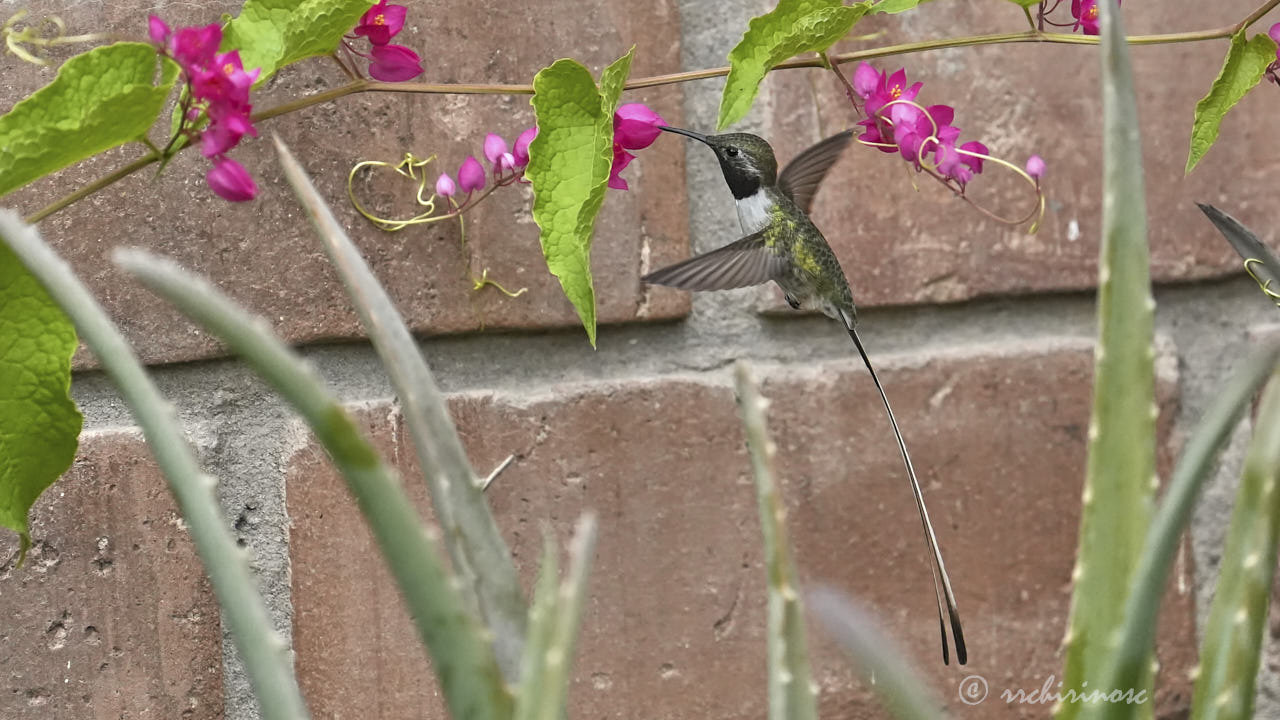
(514, 361)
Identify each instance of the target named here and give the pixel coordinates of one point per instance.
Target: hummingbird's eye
(731, 151)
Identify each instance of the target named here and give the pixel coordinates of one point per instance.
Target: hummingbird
(781, 244)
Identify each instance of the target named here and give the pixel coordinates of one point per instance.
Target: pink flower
(394, 63)
(914, 131)
(890, 89)
(974, 163)
(957, 165)
(635, 126)
(949, 164)
(872, 136)
(158, 31)
(226, 82)
(445, 186)
(494, 147)
(231, 181)
(194, 47)
(1274, 34)
(471, 175)
(521, 149)
(382, 22)
(621, 158)
(224, 132)
(1086, 14)
(1035, 167)
(888, 129)
(506, 162)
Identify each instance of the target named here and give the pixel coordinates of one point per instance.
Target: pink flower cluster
(387, 62)
(896, 123)
(217, 86)
(635, 127)
(506, 166)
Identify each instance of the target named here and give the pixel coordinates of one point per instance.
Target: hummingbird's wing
(801, 177)
(741, 263)
(1247, 244)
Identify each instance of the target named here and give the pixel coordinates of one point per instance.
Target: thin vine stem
(822, 61)
(93, 187)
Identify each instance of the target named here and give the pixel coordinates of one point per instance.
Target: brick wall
(983, 333)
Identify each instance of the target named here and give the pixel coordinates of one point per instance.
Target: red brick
(265, 254)
(901, 247)
(674, 623)
(112, 615)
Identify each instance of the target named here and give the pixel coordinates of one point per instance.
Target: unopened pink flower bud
(521, 149)
(394, 63)
(506, 162)
(158, 30)
(494, 146)
(231, 181)
(470, 175)
(1035, 167)
(865, 80)
(445, 186)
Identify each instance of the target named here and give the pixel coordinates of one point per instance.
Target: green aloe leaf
(1120, 478)
(881, 662)
(533, 693)
(1241, 71)
(100, 99)
(1025, 3)
(569, 163)
(553, 627)
(39, 425)
(273, 33)
(793, 27)
(1131, 659)
(470, 679)
(479, 555)
(1233, 636)
(792, 694)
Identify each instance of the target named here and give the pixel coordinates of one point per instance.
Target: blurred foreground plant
(473, 619)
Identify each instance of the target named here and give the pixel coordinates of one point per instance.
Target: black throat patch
(741, 184)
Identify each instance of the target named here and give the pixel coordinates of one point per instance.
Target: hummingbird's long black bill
(943, 593)
(687, 133)
(1247, 245)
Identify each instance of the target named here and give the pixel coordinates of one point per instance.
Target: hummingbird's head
(746, 160)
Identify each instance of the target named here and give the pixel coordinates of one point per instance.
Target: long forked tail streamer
(942, 592)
